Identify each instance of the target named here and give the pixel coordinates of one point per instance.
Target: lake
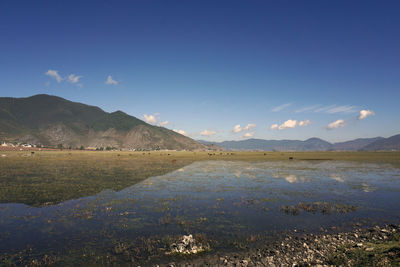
(224, 204)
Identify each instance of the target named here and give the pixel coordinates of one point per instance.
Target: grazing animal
(290, 157)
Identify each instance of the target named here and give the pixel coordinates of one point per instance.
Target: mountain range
(51, 120)
(312, 144)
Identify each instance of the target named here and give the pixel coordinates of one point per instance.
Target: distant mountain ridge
(312, 144)
(391, 143)
(51, 120)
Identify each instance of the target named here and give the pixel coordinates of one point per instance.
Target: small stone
(359, 245)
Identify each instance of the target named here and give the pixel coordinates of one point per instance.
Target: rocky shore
(375, 246)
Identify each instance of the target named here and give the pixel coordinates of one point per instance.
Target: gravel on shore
(374, 246)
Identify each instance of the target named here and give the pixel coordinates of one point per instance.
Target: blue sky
(279, 69)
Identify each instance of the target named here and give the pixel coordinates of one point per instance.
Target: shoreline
(373, 246)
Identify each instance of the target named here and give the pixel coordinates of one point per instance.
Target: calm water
(221, 199)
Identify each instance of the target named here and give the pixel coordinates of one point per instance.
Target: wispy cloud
(163, 123)
(207, 133)
(111, 81)
(365, 113)
(54, 74)
(324, 108)
(72, 78)
(289, 124)
(308, 108)
(281, 107)
(342, 109)
(330, 109)
(336, 124)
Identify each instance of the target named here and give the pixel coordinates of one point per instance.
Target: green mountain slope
(51, 120)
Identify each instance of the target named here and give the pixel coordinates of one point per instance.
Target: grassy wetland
(132, 208)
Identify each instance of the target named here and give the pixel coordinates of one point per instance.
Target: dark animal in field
(290, 157)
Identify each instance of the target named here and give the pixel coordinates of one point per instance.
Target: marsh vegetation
(101, 207)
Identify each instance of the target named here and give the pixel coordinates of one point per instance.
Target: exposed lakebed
(225, 205)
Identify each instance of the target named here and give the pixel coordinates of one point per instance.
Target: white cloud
(54, 74)
(72, 78)
(248, 127)
(289, 124)
(207, 133)
(281, 107)
(110, 80)
(150, 119)
(336, 124)
(163, 123)
(237, 129)
(248, 135)
(365, 113)
(182, 132)
(304, 123)
(274, 126)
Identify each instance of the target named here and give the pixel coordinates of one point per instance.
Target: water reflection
(218, 198)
